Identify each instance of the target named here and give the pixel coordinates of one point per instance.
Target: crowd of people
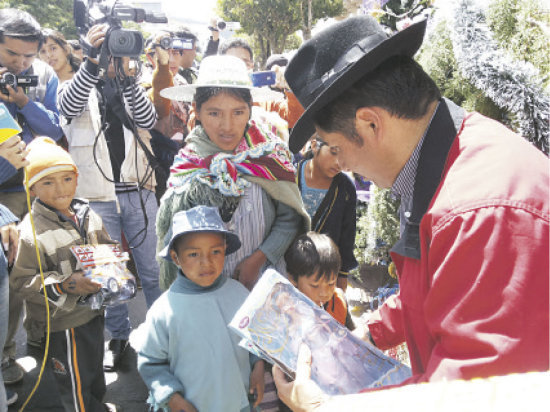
(208, 180)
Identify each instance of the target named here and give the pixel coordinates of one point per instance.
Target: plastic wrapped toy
(106, 264)
(276, 319)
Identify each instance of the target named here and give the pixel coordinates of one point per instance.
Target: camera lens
(221, 25)
(124, 42)
(10, 78)
(166, 43)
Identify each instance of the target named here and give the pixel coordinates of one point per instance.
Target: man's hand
(162, 55)
(280, 81)
(178, 403)
(302, 395)
(95, 37)
(14, 151)
(78, 284)
(13, 96)
(213, 27)
(257, 382)
(248, 270)
(10, 238)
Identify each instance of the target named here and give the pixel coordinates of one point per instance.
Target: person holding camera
(34, 107)
(28, 88)
(172, 55)
(102, 115)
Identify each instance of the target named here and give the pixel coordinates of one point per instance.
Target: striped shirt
(73, 97)
(403, 187)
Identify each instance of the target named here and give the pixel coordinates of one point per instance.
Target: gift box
(106, 264)
(277, 318)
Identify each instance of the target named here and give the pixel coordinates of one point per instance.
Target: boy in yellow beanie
(61, 221)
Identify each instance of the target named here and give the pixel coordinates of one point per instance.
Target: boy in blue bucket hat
(187, 356)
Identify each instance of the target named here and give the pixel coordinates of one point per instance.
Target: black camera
(10, 79)
(119, 42)
(178, 43)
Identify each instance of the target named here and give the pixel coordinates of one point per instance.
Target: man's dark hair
(184, 32)
(313, 254)
(202, 94)
(399, 85)
(20, 25)
(234, 43)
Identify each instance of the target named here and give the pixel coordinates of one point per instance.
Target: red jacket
(474, 303)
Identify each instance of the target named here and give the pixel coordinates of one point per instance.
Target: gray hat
(200, 219)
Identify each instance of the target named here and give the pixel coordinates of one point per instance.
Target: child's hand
(78, 284)
(257, 383)
(178, 403)
(10, 238)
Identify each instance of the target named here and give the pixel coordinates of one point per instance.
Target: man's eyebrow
(10, 51)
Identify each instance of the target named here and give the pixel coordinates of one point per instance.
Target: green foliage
(517, 28)
(396, 10)
(438, 60)
(268, 21)
(377, 229)
(54, 14)
(272, 22)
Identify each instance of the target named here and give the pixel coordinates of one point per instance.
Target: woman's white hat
(220, 71)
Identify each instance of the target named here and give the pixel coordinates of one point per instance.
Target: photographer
(35, 110)
(116, 175)
(172, 55)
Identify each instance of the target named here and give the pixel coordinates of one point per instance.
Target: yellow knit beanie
(46, 157)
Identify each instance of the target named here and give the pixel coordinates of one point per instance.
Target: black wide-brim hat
(326, 65)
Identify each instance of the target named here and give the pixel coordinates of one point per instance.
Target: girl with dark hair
(330, 199)
(58, 53)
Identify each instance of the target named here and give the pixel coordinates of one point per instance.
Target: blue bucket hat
(200, 219)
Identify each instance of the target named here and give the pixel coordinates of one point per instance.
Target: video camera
(10, 79)
(178, 43)
(118, 42)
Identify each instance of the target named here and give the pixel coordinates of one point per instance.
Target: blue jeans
(143, 242)
(4, 296)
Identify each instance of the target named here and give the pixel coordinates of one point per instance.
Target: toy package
(277, 318)
(106, 264)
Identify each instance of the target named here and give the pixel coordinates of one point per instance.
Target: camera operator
(35, 110)
(116, 175)
(35, 107)
(172, 55)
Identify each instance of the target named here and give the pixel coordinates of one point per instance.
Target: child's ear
(31, 191)
(291, 278)
(174, 257)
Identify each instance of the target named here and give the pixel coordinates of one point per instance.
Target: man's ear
(368, 122)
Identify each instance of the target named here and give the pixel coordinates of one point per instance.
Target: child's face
(326, 159)
(57, 190)
(200, 256)
(318, 290)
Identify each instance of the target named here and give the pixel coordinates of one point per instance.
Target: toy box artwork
(276, 319)
(106, 264)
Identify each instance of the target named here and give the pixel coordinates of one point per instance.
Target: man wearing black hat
(472, 260)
